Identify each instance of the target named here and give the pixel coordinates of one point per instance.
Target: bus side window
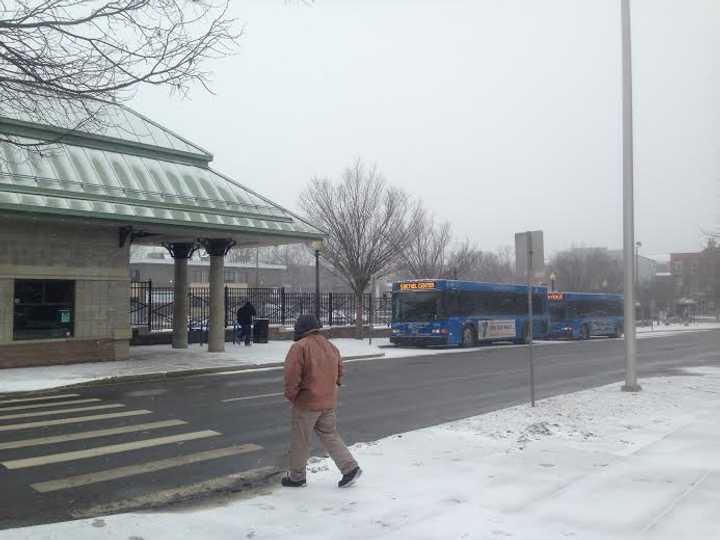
(451, 303)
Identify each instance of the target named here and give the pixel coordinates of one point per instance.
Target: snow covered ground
(598, 464)
(159, 359)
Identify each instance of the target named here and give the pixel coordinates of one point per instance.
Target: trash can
(261, 330)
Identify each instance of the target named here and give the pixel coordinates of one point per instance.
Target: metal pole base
(631, 388)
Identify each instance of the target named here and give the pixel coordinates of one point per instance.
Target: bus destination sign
(417, 285)
(556, 296)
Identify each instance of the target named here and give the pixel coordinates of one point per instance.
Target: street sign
(530, 252)
(530, 260)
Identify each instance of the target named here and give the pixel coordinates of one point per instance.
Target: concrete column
(217, 249)
(180, 252)
(180, 310)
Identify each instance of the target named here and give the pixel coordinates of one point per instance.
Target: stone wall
(89, 254)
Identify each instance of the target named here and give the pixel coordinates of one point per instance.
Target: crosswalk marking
(73, 420)
(105, 450)
(253, 397)
(54, 404)
(40, 398)
(60, 411)
(133, 470)
(43, 441)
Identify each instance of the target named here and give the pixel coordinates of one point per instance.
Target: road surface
(105, 449)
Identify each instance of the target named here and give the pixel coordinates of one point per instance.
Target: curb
(201, 494)
(164, 375)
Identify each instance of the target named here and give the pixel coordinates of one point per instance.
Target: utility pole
(631, 384)
(530, 325)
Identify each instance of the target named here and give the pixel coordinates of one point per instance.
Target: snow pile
(599, 464)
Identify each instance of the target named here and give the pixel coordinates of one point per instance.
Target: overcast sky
(503, 115)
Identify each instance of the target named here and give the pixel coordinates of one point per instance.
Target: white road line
(253, 397)
(133, 470)
(23, 400)
(74, 420)
(241, 371)
(43, 441)
(54, 404)
(167, 496)
(105, 450)
(60, 411)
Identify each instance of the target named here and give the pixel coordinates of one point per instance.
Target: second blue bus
(577, 315)
(465, 313)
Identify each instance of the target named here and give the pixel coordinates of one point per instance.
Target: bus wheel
(468, 338)
(584, 332)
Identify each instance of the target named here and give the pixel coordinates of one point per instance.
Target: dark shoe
(349, 479)
(289, 482)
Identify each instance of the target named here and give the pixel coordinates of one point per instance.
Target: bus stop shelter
(71, 208)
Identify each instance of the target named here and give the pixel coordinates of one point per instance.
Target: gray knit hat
(304, 325)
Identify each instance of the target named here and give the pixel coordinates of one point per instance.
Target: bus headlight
(395, 331)
(442, 331)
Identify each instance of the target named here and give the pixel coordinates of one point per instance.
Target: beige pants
(303, 423)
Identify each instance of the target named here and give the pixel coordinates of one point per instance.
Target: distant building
(647, 268)
(158, 267)
(685, 269)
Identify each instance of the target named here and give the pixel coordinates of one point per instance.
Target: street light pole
(317, 246)
(631, 384)
(638, 245)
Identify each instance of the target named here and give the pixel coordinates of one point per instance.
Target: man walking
(244, 319)
(313, 371)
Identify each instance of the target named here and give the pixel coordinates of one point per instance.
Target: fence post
(330, 309)
(149, 305)
(225, 304)
(282, 306)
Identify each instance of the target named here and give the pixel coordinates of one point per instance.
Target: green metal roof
(94, 122)
(134, 181)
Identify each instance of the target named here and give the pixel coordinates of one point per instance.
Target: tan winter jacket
(313, 371)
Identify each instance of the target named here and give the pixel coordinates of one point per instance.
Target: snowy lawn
(598, 464)
(160, 359)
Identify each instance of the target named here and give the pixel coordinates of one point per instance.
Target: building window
(43, 309)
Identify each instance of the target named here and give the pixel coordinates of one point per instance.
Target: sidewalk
(598, 464)
(161, 360)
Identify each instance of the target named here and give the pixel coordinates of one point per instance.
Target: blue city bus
(577, 315)
(464, 313)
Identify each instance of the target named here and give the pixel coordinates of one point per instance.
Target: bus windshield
(418, 307)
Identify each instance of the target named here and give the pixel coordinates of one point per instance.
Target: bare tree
(425, 254)
(63, 61)
(468, 262)
(586, 269)
(367, 223)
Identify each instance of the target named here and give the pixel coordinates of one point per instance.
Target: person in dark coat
(245, 319)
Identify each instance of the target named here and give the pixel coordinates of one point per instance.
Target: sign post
(530, 258)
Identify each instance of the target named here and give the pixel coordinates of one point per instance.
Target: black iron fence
(152, 307)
